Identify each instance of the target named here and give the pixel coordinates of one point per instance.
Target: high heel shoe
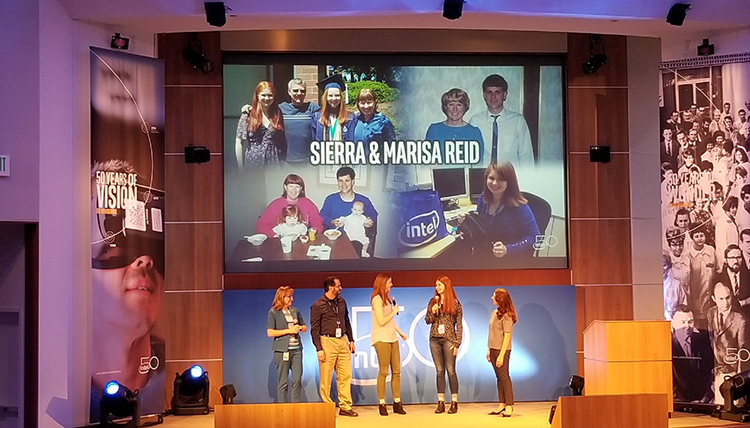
(454, 408)
(506, 413)
(383, 409)
(497, 412)
(440, 407)
(399, 408)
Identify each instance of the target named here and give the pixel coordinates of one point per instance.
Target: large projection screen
(420, 164)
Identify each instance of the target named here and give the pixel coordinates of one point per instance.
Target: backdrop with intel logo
(416, 173)
(542, 361)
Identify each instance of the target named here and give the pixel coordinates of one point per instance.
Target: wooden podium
(277, 415)
(611, 411)
(628, 357)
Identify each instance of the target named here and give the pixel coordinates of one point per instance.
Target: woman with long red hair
(333, 121)
(385, 341)
(445, 314)
(260, 131)
(498, 348)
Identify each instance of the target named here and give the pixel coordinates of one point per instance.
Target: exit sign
(4, 166)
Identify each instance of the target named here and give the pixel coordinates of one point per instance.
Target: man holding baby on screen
(338, 206)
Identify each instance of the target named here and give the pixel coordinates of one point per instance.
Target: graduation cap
(332, 81)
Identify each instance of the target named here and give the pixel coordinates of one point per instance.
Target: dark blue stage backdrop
(543, 358)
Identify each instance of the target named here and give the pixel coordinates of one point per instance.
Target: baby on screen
(354, 226)
(289, 224)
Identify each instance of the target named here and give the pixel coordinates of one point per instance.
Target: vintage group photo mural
(705, 209)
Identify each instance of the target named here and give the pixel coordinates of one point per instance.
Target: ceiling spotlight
(677, 13)
(597, 57)
(119, 42)
(452, 9)
(216, 13)
(193, 53)
(594, 63)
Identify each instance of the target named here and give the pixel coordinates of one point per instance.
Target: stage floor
(525, 415)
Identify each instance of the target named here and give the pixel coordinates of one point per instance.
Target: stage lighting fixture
(705, 48)
(452, 9)
(597, 57)
(576, 384)
(191, 392)
(195, 56)
(197, 154)
(677, 13)
(118, 403)
(227, 394)
(599, 154)
(735, 388)
(119, 42)
(216, 13)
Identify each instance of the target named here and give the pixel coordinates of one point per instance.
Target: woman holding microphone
(385, 341)
(445, 314)
(284, 325)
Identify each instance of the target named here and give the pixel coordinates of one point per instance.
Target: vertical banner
(127, 226)
(705, 208)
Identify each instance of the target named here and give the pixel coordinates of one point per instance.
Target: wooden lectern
(628, 372)
(278, 415)
(628, 357)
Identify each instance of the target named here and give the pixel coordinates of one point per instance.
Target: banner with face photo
(127, 227)
(330, 158)
(705, 208)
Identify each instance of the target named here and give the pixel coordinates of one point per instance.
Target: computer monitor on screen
(450, 183)
(476, 184)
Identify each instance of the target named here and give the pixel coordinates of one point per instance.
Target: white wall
(725, 42)
(19, 110)
(643, 132)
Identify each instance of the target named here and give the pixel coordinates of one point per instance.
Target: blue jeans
(442, 356)
(282, 370)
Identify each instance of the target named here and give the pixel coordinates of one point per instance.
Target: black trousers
(504, 385)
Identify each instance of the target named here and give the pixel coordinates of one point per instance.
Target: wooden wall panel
(215, 371)
(597, 116)
(400, 279)
(599, 190)
(194, 191)
(191, 323)
(179, 71)
(600, 251)
(613, 73)
(195, 118)
(192, 262)
(605, 302)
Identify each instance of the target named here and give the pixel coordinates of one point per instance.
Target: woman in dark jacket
(285, 322)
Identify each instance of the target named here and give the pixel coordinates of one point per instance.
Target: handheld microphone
(395, 305)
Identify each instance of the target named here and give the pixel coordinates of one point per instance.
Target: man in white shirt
(506, 134)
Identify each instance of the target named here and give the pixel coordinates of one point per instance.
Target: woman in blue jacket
(371, 125)
(285, 322)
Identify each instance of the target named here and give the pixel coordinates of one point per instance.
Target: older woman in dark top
(445, 313)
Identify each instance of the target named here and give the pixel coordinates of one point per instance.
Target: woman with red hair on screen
(260, 131)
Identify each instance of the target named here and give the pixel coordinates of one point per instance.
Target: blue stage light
(196, 371)
(112, 388)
